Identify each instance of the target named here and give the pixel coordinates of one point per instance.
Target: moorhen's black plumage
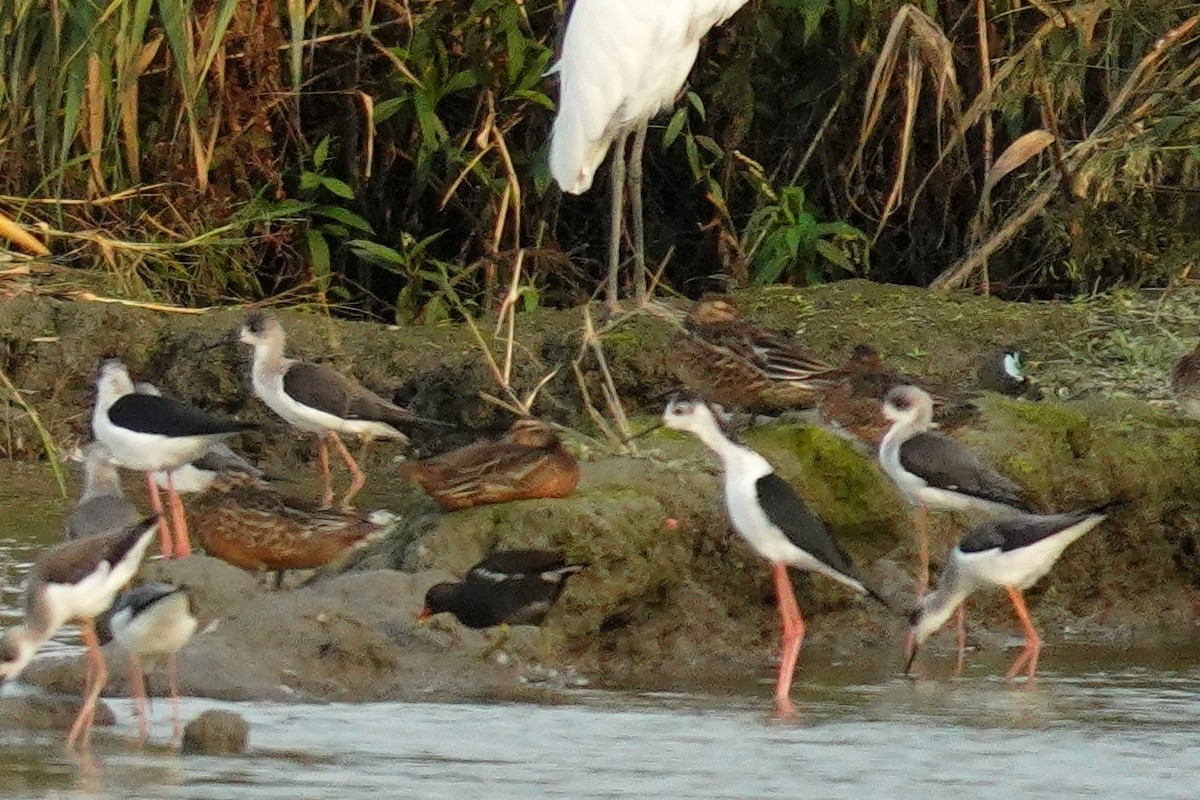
(511, 587)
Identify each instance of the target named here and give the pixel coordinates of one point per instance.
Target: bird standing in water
(1012, 553)
(776, 522)
(76, 581)
(932, 470)
(152, 621)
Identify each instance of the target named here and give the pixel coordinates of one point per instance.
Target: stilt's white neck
(268, 353)
(937, 606)
(903, 429)
(726, 449)
(100, 479)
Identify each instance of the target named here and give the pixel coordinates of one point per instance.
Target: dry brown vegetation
(388, 156)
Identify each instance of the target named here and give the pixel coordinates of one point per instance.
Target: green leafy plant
(784, 238)
(328, 221)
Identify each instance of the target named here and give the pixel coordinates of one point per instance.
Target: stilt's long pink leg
(326, 480)
(793, 637)
(164, 532)
(96, 676)
(137, 690)
(183, 543)
(1033, 642)
(921, 518)
(359, 479)
(173, 686)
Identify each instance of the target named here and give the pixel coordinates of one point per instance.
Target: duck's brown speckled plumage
(728, 360)
(529, 462)
(247, 523)
(1185, 383)
(859, 387)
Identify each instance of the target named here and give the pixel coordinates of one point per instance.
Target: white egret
(622, 62)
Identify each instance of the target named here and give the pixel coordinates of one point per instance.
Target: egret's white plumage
(622, 62)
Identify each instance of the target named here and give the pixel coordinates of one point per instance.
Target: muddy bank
(671, 597)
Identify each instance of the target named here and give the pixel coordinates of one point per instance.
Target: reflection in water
(1099, 734)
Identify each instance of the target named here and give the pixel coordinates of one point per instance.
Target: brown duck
(858, 388)
(730, 361)
(529, 462)
(1185, 383)
(245, 522)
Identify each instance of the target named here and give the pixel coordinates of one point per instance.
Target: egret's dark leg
(635, 212)
(616, 221)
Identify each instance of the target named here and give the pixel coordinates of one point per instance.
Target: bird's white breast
(146, 452)
(165, 627)
(1024, 566)
(268, 385)
(743, 468)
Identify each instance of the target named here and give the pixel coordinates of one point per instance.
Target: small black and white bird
(76, 581)
(509, 587)
(151, 621)
(102, 506)
(319, 399)
(932, 470)
(197, 476)
(1010, 552)
(1003, 372)
(148, 433)
(775, 521)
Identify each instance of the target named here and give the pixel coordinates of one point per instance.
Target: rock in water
(216, 733)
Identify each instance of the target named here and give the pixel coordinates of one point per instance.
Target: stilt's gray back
(100, 515)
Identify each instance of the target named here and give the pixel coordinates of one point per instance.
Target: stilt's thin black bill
(908, 665)
(642, 434)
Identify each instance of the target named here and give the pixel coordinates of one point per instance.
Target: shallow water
(1094, 734)
(1098, 723)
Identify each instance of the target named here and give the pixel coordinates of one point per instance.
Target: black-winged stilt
(319, 399)
(147, 433)
(775, 521)
(932, 470)
(152, 621)
(197, 475)
(76, 581)
(1012, 553)
(102, 506)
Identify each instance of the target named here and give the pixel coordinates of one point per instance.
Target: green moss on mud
(657, 595)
